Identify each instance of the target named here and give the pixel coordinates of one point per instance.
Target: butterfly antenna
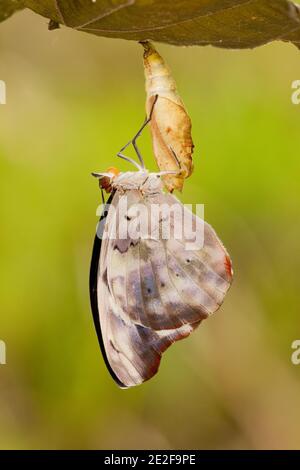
(137, 135)
(101, 175)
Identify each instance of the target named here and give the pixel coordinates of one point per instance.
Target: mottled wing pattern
(153, 292)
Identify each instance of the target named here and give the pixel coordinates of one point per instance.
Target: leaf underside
(221, 23)
(8, 7)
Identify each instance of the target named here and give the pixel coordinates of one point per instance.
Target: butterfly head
(106, 178)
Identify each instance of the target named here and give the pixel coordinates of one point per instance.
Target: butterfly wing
(153, 292)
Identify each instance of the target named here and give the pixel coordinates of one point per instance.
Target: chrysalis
(170, 124)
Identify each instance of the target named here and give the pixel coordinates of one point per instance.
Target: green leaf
(222, 23)
(8, 7)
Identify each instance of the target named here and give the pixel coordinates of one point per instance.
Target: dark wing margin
(93, 281)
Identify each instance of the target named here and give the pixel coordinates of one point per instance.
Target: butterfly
(149, 288)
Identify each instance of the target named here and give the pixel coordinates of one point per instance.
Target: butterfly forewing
(150, 292)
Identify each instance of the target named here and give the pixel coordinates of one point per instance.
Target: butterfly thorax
(144, 181)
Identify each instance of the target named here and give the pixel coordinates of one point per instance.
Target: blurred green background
(72, 101)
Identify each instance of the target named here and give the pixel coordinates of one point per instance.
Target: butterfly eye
(105, 183)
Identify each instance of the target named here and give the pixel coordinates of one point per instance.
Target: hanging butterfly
(148, 292)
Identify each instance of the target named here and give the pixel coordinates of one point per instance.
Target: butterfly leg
(175, 157)
(137, 135)
(102, 196)
(137, 151)
(119, 154)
